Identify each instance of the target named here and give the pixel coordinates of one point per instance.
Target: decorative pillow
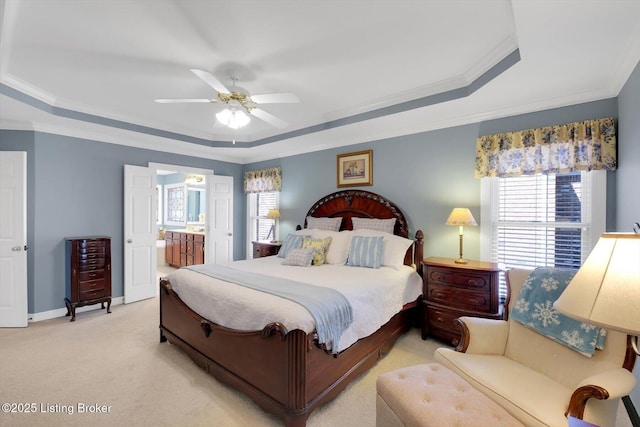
(300, 257)
(338, 250)
(365, 251)
(292, 241)
(319, 247)
(385, 225)
(325, 223)
(394, 248)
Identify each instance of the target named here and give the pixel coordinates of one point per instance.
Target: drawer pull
(439, 319)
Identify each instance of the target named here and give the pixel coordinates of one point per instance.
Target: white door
(13, 239)
(139, 233)
(219, 219)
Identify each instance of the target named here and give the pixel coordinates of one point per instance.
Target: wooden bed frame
(287, 373)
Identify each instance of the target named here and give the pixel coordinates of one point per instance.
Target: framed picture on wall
(355, 169)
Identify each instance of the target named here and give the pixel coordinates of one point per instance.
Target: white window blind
(259, 225)
(543, 220)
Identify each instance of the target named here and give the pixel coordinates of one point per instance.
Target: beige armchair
(537, 380)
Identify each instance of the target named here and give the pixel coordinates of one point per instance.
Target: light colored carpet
(116, 360)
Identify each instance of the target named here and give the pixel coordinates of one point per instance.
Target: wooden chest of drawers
(88, 272)
(265, 248)
(183, 248)
(453, 290)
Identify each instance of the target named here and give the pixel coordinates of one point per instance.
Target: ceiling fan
(239, 101)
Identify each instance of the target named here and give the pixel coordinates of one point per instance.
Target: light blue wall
(628, 174)
(75, 188)
(75, 185)
(425, 174)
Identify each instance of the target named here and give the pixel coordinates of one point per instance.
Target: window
(174, 196)
(260, 228)
(542, 220)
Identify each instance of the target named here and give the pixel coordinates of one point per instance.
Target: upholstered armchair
(537, 380)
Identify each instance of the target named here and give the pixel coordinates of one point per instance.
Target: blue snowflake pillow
(534, 309)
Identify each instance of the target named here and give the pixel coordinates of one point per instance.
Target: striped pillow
(292, 241)
(365, 252)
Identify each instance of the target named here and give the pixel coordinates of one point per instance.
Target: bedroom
(425, 173)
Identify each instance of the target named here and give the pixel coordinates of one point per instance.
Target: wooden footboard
(285, 372)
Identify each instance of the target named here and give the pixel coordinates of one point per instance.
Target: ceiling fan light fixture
(233, 118)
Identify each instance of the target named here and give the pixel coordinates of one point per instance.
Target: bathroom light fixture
(194, 179)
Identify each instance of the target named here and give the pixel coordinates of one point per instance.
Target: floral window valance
(579, 146)
(262, 180)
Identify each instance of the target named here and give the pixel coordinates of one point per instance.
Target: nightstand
(452, 290)
(265, 248)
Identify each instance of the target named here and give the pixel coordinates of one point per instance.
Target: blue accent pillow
(365, 252)
(292, 241)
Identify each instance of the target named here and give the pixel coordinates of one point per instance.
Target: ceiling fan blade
(269, 118)
(181, 101)
(276, 98)
(208, 78)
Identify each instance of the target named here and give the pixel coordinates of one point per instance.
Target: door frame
(178, 169)
(19, 313)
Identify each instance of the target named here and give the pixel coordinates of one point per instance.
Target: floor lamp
(606, 292)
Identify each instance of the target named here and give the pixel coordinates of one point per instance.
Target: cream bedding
(375, 295)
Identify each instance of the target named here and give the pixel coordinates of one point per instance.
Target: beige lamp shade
(273, 214)
(606, 290)
(461, 216)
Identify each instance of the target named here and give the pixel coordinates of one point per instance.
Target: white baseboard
(61, 312)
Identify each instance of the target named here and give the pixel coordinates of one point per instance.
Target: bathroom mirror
(196, 205)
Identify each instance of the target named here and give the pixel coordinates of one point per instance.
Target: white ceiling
(363, 70)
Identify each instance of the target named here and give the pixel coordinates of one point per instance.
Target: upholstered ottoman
(432, 395)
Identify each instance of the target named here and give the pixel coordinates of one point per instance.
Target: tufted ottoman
(432, 395)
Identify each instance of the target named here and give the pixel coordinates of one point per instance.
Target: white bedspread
(375, 295)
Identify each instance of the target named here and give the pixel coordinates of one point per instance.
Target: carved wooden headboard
(365, 204)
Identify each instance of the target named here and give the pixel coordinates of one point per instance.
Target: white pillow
(394, 248)
(338, 248)
(324, 223)
(385, 225)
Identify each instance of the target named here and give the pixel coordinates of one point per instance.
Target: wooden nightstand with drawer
(263, 248)
(452, 290)
(88, 272)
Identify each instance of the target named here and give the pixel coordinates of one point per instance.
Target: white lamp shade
(461, 216)
(606, 290)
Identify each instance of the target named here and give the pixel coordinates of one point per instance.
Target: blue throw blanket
(329, 308)
(534, 309)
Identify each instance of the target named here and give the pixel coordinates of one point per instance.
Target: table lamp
(273, 214)
(461, 217)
